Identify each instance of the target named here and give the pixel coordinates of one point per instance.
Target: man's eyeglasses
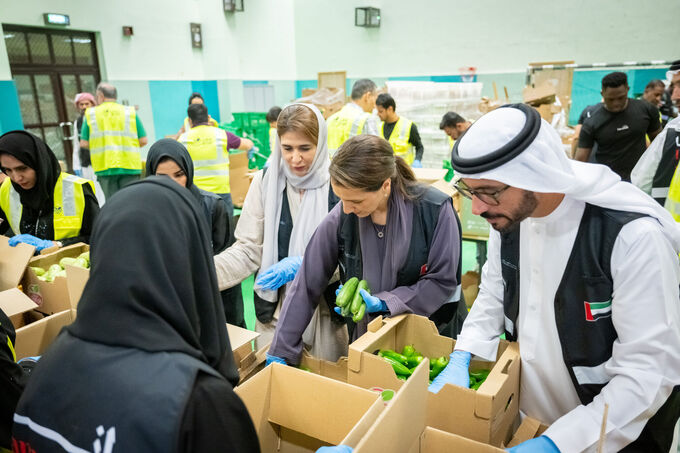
(490, 198)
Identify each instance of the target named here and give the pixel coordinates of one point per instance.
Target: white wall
(434, 37)
(254, 44)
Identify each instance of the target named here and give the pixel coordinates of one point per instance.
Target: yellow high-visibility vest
(346, 123)
(113, 137)
(399, 139)
(673, 199)
(187, 124)
(69, 205)
(207, 146)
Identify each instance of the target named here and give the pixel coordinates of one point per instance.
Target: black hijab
(153, 285)
(34, 153)
(176, 151)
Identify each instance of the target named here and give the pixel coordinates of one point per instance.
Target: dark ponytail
(364, 162)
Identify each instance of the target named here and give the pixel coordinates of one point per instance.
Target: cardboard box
(542, 94)
(36, 337)
(297, 411)
(76, 279)
(13, 262)
(429, 175)
(239, 180)
(51, 297)
(402, 426)
(485, 415)
(245, 357)
(334, 370)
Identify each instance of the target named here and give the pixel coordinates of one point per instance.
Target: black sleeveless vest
(425, 216)
(670, 155)
(113, 412)
(264, 310)
(583, 305)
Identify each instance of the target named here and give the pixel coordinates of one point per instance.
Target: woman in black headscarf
(170, 158)
(41, 205)
(147, 364)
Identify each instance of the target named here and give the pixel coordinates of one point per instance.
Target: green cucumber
(357, 300)
(393, 355)
(359, 315)
(346, 293)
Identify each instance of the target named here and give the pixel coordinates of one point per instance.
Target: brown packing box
(402, 426)
(239, 180)
(295, 411)
(429, 175)
(334, 370)
(485, 415)
(13, 262)
(51, 297)
(542, 94)
(36, 337)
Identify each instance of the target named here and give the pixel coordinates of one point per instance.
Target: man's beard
(526, 206)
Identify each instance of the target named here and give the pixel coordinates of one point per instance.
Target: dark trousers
(232, 298)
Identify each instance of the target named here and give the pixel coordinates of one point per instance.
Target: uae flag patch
(597, 310)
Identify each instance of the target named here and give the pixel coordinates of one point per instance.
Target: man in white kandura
(583, 272)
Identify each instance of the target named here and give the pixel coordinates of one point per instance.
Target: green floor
(469, 263)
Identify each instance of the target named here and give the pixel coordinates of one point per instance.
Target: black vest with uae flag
(583, 315)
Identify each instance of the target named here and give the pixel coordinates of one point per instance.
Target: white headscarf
(314, 205)
(544, 167)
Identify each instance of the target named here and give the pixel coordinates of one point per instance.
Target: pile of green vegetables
(58, 270)
(350, 301)
(405, 363)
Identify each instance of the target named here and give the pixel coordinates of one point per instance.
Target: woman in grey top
(284, 205)
(400, 236)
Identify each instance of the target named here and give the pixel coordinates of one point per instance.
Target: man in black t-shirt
(585, 114)
(618, 127)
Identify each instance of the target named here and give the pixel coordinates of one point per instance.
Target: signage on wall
(56, 19)
(196, 37)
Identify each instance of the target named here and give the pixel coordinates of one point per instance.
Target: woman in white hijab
(284, 205)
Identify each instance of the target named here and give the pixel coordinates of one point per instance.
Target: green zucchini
(346, 293)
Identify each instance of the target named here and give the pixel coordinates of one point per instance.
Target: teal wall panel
(208, 89)
(169, 101)
(10, 114)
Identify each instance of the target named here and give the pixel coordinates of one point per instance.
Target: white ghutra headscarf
(542, 166)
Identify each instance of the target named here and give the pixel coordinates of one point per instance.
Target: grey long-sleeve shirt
(429, 293)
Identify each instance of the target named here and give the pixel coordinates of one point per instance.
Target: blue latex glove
(39, 244)
(273, 359)
(30, 359)
(252, 151)
(540, 444)
(456, 372)
(416, 164)
(338, 449)
(280, 273)
(373, 304)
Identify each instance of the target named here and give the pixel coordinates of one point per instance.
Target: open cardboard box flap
(334, 370)
(13, 262)
(287, 403)
(14, 302)
(239, 336)
(401, 423)
(76, 279)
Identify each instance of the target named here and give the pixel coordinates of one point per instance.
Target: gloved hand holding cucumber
(354, 299)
